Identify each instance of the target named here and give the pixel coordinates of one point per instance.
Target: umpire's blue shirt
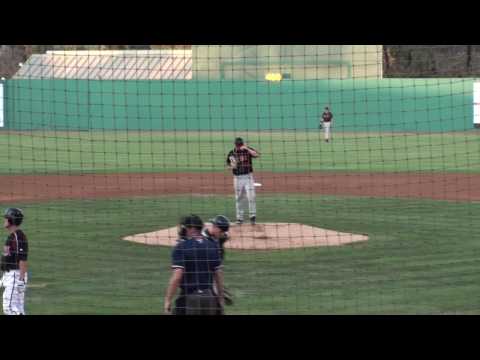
(200, 259)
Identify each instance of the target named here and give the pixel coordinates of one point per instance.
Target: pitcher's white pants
(327, 127)
(13, 294)
(245, 194)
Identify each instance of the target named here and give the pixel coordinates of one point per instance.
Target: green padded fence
(358, 105)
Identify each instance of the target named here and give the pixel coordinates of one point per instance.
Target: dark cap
(192, 221)
(221, 222)
(239, 141)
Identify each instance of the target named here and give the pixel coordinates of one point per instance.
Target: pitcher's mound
(262, 237)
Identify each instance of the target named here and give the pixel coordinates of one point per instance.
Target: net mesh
(373, 212)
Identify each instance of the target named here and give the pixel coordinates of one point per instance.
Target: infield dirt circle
(271, 236)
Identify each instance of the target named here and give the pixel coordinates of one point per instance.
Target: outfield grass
(422, 257)
(283, 151)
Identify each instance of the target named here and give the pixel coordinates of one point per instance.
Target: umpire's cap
(192, 221)
(221, 222)
(239, 141)
(14, 216)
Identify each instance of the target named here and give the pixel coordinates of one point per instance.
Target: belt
(198, 292)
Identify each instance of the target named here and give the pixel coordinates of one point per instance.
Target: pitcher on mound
(240, 161)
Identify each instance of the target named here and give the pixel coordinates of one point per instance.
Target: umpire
(196, 265)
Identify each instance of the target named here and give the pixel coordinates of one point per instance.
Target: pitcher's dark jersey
(244, 161)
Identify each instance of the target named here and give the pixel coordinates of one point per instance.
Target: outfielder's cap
(14, 215)
(192, 221)
(239, 141)
(221, 222)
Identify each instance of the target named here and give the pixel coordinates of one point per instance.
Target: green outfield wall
(359, 105)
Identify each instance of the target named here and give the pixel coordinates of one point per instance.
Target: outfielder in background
(14, 264)
(327, 119)
(240, 161)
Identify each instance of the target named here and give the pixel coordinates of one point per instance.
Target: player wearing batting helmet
(197, 266)
(218, 232)
(14, 264)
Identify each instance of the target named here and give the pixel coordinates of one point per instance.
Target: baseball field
(416, 195)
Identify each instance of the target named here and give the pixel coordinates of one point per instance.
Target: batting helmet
(14, 216)
(221, 222)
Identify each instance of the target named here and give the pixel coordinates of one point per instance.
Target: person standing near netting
(240, 161)
(14, 264)
(326, 125)
(218, 232)
(197, 268)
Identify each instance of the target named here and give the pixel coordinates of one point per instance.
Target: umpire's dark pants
(202, 303)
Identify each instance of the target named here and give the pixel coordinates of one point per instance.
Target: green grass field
(422, 257)
(288, 151)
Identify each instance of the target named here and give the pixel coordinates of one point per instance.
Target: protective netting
(367, 207)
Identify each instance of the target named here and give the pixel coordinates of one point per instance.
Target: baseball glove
(228, 297)
(233, 162)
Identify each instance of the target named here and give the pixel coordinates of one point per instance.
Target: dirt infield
(271, 236)
(28, 188)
